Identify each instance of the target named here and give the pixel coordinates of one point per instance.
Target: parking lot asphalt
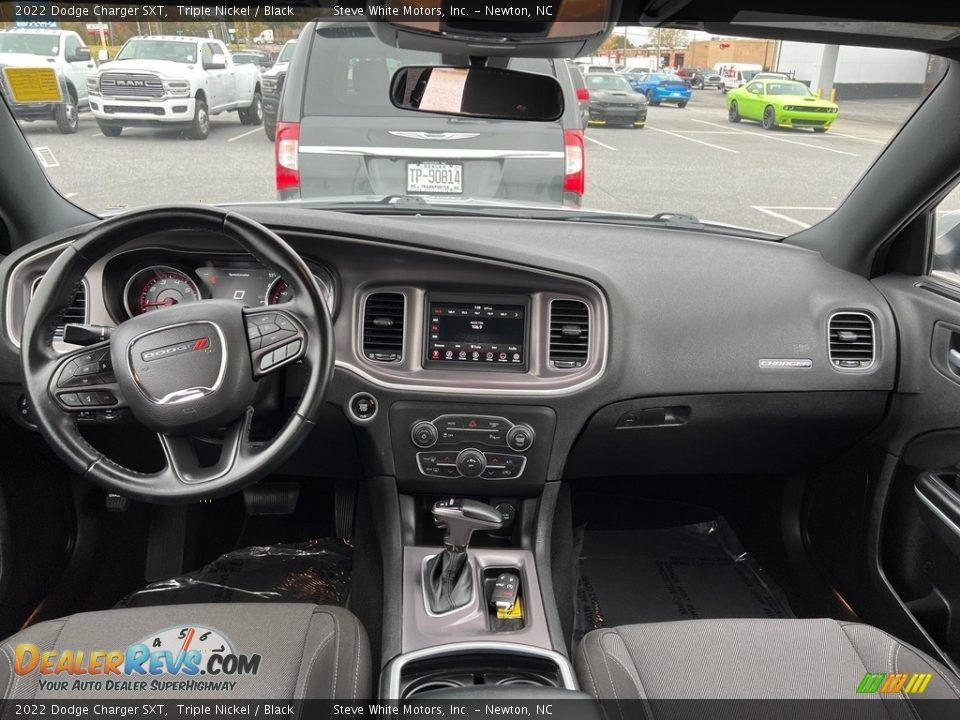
(689, 160)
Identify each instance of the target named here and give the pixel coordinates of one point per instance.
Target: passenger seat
(750, 659)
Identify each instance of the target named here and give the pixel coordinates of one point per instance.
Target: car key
(505, 590)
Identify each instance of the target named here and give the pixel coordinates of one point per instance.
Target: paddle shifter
(447, 577)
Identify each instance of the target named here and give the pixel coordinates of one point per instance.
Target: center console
(473, 618)
(474, 613)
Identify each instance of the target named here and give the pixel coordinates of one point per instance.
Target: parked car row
(154, 81)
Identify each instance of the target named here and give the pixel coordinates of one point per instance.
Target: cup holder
(478, 670)
(535, 682)
(415, 688)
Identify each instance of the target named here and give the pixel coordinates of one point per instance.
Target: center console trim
(392, 672)
(538, 380)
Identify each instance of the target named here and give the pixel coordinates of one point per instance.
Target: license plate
(435, 177)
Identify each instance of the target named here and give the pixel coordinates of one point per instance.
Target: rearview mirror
(529, 28)
(477, 92)
(217, 62)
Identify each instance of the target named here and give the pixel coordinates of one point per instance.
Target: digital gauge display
(159, 286)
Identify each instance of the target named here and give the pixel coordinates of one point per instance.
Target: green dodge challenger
(780, 103)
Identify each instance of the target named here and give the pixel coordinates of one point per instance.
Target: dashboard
(605, 344)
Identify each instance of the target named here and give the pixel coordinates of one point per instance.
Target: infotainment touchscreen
(476, 334)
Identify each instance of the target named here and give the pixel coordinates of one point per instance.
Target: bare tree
(669, 38)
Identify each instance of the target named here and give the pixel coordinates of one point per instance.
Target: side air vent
(383, 327)
(75, 313)
(569, 334)
(852, 341)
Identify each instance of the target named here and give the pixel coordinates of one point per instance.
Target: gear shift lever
(447, 579)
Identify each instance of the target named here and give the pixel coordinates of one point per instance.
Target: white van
(734, 75)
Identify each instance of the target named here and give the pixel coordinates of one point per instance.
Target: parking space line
(767, 136)
(97, 135)
(601, 144)
(243, 135)
(694, 140)
(786, 218)
(833, 133)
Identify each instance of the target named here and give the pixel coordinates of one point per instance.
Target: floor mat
(679, 573)
(317, 571)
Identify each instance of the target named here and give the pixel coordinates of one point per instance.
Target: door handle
(954, 359)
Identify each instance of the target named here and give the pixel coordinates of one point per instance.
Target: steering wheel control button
(70, 399)
(424, 434)
(471, 463)
(520, 438)
(363, 407)
(262, 319)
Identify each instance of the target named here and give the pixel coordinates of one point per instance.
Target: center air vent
(852, 341)
(383, 327)
(75, 313)
(569, 334)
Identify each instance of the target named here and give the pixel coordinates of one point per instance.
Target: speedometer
(159, 287)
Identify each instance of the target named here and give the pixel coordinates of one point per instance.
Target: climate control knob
(520, 438)
(424, 434)
(471, 462)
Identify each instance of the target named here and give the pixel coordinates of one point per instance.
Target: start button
(363, 407)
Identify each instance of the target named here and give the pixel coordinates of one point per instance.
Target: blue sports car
(661, 87)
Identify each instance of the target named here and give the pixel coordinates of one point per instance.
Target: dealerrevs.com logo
(192, 658)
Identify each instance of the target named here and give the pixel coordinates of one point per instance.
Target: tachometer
(280, 291)
(155, 288)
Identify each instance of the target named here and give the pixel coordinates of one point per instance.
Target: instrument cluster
(157, 286)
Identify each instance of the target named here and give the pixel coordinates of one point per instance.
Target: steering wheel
(182, 371)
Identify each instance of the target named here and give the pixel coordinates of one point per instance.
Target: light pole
(659, 58)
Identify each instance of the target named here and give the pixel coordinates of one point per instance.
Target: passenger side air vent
(851, 341)
(569, 334)
(383, 327)
(75, 313)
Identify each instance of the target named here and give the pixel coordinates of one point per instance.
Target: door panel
(919, 514)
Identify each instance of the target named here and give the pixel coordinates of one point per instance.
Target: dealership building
(854, 72)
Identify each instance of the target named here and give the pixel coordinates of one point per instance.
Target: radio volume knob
(471, 462)
(424, 434)
(520, 438)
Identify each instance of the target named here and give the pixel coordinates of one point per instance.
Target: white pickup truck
(167, 81)
(65, 52)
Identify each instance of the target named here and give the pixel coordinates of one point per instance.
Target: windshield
(29, 43)
(172, 50)
(789, 88)
(287, 54)
(607, 82)
(322, 130)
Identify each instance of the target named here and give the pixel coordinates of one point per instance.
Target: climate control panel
(493, 446)
(480, 432)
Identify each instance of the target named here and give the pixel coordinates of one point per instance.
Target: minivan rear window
(349, 72)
